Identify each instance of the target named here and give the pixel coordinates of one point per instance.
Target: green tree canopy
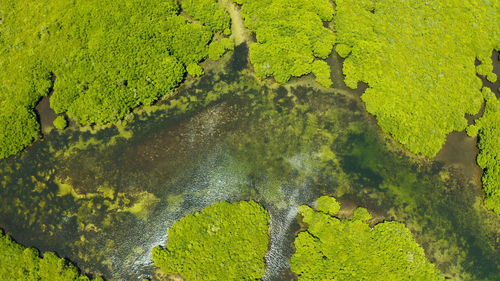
(19, 263)
(60, 122)
(218, 47)
(334, 249)
(210, 14)
(225, 241)
(105, 57)
(488, 159)
(418, 60)
(290, 35)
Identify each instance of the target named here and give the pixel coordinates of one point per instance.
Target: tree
(217, 243)
(210, 14)
(194, 69)
(106, 58)
(60, 122)
(290, 35)
(334, 249)
(19, 263)
(488, 130)
(421, 83)
(321, 70)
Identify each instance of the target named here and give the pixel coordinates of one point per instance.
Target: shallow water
(104, 199)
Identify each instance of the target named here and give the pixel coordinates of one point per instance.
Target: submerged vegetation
(19, 263)
(290, 35)
(418, 60)
(225, 241)
(100, 59)
(331, 248)
(489, 144)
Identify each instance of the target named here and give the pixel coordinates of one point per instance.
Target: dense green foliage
(218, 47)
(106, 58)
(333, 249)
(489, 144)
(298, 142)
(194, 69)
(209, 13)
(290, 35)
(19, 263)
(328, 205)
(222, 242)
(321, 70)
(60, 122)
(418, 60)
(18, 128)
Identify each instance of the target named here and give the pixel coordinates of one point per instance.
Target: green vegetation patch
(19, 263)
(218, 47)
(334, 249)
(101, 58)
(321, 70)
(290, 35)
(488, 159)
(225, 241)
(418, 60)
(210, 13)
(18, 128)
(328, 205)
(60, 122)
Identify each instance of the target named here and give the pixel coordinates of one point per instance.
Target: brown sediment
(46, 114)
(336, 64)
(460, 151)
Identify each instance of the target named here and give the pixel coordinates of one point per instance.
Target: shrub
(60, 122)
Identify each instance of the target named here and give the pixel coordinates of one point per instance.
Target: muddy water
(460, 152)
(105, 199)
(46, 114)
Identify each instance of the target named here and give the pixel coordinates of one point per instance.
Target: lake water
(105, 198)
